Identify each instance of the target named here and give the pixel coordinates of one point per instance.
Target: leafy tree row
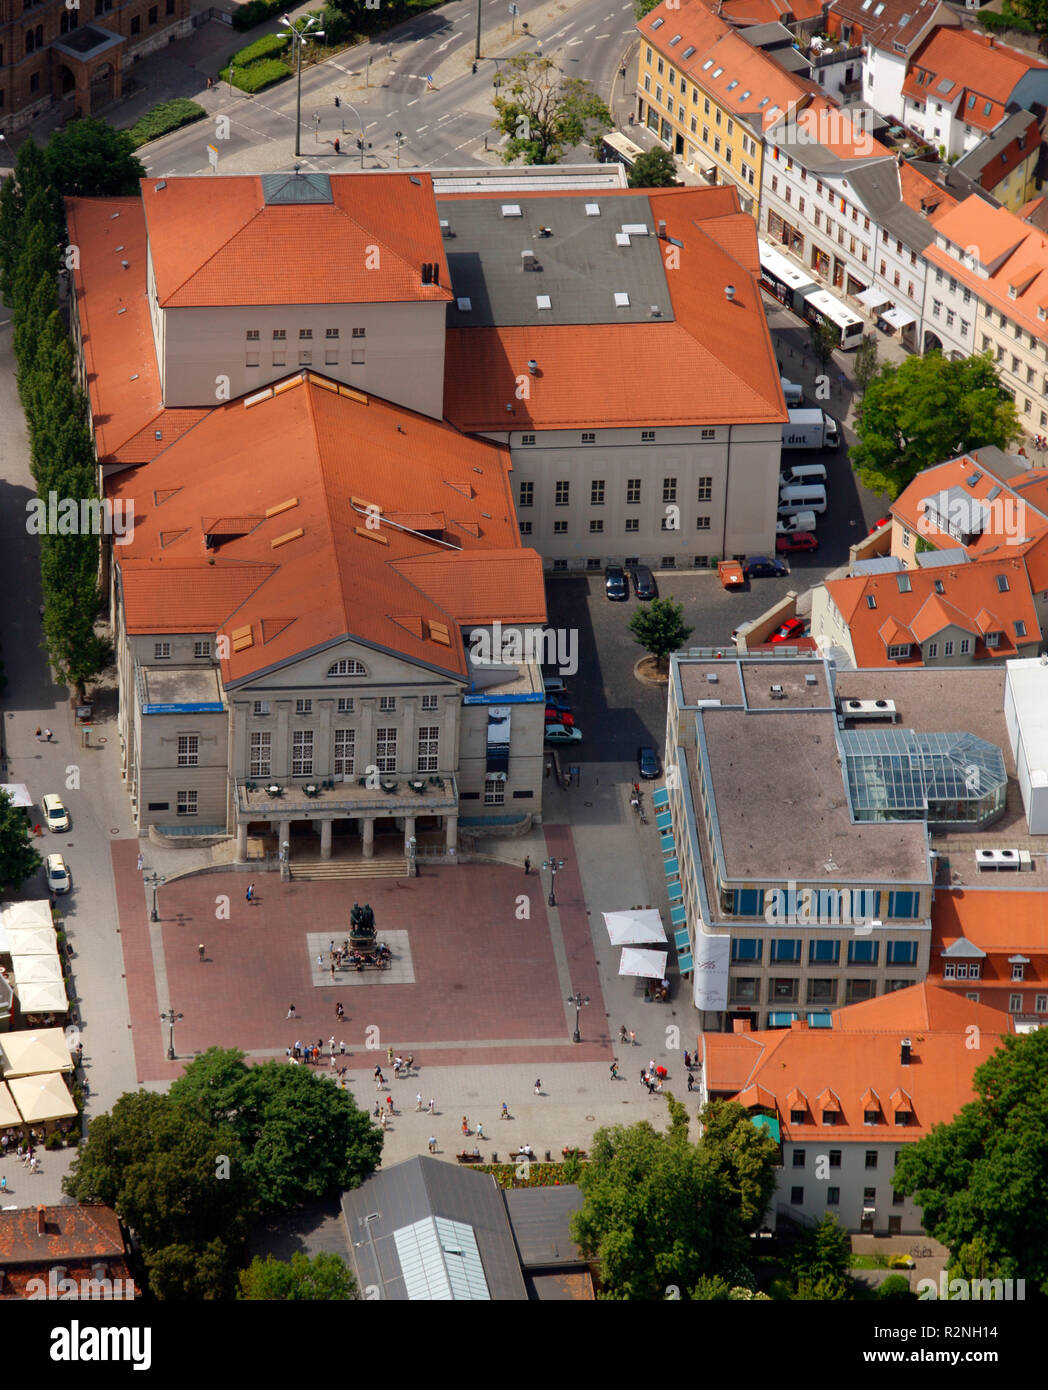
(190, 1171)
(87, 159)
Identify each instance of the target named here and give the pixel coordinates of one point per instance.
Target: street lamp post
(299, 38)
(170, 1018)
(399, 137)
(476, 50)
(580, 1001)
(553, 865)
(155, 882)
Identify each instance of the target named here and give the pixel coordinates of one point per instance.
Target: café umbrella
(650, 964)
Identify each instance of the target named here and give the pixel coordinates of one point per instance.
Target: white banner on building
(712, 955)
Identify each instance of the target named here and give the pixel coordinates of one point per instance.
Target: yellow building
(707, 94)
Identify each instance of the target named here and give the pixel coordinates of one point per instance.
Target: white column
(325, 839)
(451, 824)
(369, 837)
(242, 843)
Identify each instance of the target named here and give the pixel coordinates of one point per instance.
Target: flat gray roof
(581, 265)
(782, 807)
(540, 1217)
(792, 678)
(181, 685)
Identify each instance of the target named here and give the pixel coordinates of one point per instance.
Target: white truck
(810, 429)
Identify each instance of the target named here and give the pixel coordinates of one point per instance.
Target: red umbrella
(661, 1071)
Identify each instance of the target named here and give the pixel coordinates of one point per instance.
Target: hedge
(258, 75)
(255, 11)
(269, 46)
(168, 116)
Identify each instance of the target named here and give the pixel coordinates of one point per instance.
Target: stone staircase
(303, 870)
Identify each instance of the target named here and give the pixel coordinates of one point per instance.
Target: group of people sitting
(356, 960)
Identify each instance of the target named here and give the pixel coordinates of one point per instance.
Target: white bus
(616, 148)
(782, 278)
(822, 307)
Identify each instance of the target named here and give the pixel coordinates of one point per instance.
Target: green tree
(18, 858)
(978, 1179)
(92, 159)
(543, 112)
(659, 1211)
(659, 628)
(819, 1262)
(895, 1287)
(656, 168)
(303, 1137)
(643, 7)
(192, 1274)
(25, 200)
(824, 340)
(742, 1157)
(924, 411)
(866, 364)
(173, 1175)
(1035, 12)
(324, 1278)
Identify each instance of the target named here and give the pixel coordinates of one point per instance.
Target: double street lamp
(553, 865)
(170, 1018)
(300, 36)
(580, 1001)
(155, 881)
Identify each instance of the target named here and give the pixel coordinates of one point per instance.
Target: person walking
(538, 1086)
(432, 1144)
(338, 144)
(527, 865)
(200, 952)
(3, 1183)
(651, 1064)
(480, 1130)
(389, 1056)
(651, 1087)
(342, 1048)
(687, 1059)
(615, 1070)
(431, 1110)
(141, 861)
(465, 1125)
(410, 1063)
(47, 735)
(39, 732)
(633, 1038)
(505, 1111)
(691, 1082)
(250, 892)
(291, 1011)
(34, 1164)
(418, 1102)
(389, 1104)
(331, 1044)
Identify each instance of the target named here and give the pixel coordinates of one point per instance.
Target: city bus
(822, 307)
(780, 277)
(615, 148)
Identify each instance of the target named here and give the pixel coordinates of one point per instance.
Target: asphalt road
(443, 125)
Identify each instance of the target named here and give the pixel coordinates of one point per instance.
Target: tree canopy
(302, 1136)
(979, 1180)
(324, 1278)
(655, 168)
(18, 858)
(866, 365)
(1035, 12)
(819, 1262)
(824, 340)
(660, 1212)
(92, 159)
(924, 411)
(659, 627)
(543, 112)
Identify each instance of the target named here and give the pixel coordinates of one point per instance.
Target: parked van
(795, 474)
(803, 497)
(793, 393)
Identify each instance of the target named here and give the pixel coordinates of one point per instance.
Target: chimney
(729, 292)
(662, 228)
(904, 1052)
(533, 367)
(426, 271)
(41, 1220)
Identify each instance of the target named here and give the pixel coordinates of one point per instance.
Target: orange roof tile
(861, 1054)
(615, 373)
(317, 569)
(122, 378)
(219, 242)
(744, 13)
(983, 70)
(997, 920)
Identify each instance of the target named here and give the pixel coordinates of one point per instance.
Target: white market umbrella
(32, 941)
(32, 914)
(36, 970)
(41, 1098)
(35, 1050)
(650, 964)
(636, 927)
(42, 999)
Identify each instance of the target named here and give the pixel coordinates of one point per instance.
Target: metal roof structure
(896, 774)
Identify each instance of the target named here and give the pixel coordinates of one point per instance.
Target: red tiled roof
(616, 373)
(218, 242)
(900, 22)
(325, 567)
(996, 920)
(861, 1053)
(983, 70)
(87, 1231)
(744, 13)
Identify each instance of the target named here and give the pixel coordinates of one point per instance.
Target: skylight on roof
(675, 39)
(592, 209)
(866, 4)
(464, 304)
(717, 72)
(622, 300)
(707, 64)
(733, 84)
(988, 108)
(946, 85)
(879, 10)
(688, 51)
(971, 101)
(511, 210)
(746, 95)
(621, 239)
(905, 20)
(635, 228)
(657, 23)
(543, 301)
(762, 103)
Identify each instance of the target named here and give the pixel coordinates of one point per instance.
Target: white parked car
(795, 521)
(58, 880)
(56, 817)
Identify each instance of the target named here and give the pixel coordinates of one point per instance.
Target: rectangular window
(305, 334)
(527, 495)
(933, 650)
(429, 702)
(632, 491)
(796, 1196)
(746, 948)
(904, 905)
(525, 528)
(260, 763)
(902, 953)
(386, 749)
(597, 492)
(302, 753)
(527, 439)
(188, 750)
(187, 803)
(702, 523)
(589, 437)
(632, 523)
(347, 705)
(863, 952)
(279, 335)
(562, 494)
(560, 528)
(331, 357)
(387, 704)
(871, 1158)
(947, 649)
(494, 791)
(824, 952)
(202, 649)
(669, 489)
(345, 751)
(136, 24)
(305, 359)
(833, 1196)
(705, 490)
(161, 651)
(786, 948)
(428, 747)
(260, 707)
(596, 526)
(799, 1157)
(303, 706)
(966, 645)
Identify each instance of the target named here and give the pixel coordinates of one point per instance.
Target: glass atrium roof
(896, 770)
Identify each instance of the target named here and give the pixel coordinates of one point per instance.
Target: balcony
(399, 794)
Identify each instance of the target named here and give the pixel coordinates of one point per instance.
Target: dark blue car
(648, 763)
(762, 567)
